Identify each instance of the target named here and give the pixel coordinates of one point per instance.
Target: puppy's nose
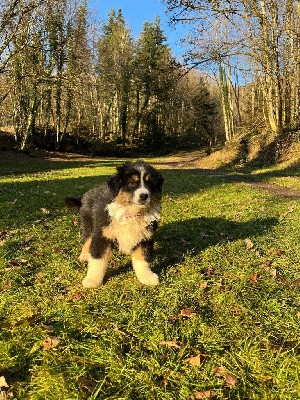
(144, 196)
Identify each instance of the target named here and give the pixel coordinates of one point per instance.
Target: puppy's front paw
(149, 279)
(90, 283)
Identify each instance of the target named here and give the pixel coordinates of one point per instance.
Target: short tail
(72, 203)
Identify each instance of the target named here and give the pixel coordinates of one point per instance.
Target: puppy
(122, 213)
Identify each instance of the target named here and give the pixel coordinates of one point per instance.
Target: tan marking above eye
(135, 178)
(148, 177)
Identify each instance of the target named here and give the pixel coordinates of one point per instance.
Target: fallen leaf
(170, 343)
(50, 342)
(276, 252)
(3, 235)
(296, 283)
(289, 211)
(78, 296)
(45, 211)
(196, 360)
(272, 271)
(49, 328)
(249, 244)
(279, 252)
(28, 239)
(253, 278)
(6, 287)
(87, 383)
(165, 382)
(187, 312)
(203, 285)
(205, 394)
(220, 371)
(230, 380)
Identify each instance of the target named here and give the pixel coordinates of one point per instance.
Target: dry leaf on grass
(187, 312)
(170, 343)
(196, 360)
(203, 285)
(50, 342)
(205, 394)
(48, 328)
(6, 287)
(87, 384)
(44, 211)
(78, 296)
(253, 278)
(249, 244)
(230, 380)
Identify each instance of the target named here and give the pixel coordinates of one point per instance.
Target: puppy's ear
(115, 182)
(122, 168)
(160, 180)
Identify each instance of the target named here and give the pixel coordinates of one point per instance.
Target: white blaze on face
(141, 195)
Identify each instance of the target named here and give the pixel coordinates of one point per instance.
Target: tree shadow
(38, 164)
(192, 236)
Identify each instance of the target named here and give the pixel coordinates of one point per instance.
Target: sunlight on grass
(226, 253)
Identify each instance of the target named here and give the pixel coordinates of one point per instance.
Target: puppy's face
(137, 184)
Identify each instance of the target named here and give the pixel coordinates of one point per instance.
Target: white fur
(129, 229)
(141, 190)
(96, 271)
(144, 273)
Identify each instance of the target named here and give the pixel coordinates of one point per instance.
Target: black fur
(121, 213)
(73, 203)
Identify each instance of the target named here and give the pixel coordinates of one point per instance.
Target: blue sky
(136, 12)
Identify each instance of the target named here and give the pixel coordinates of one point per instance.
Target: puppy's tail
(72, 203)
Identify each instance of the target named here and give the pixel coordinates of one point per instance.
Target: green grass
(244, 293)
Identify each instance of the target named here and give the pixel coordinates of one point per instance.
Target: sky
(136, 12)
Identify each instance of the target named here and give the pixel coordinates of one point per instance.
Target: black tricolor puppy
(122, 213)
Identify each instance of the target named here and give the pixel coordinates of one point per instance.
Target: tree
(266, 35)
(114, 71)
(154, 78)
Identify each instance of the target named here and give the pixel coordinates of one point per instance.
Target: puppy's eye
(132, 183)
(148, 179)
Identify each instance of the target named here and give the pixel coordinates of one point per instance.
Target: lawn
(223, 324)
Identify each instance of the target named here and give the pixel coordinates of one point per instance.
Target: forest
(68, 83)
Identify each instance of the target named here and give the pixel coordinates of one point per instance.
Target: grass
(228, 257)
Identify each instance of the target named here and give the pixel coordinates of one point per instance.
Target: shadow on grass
(33, 165)
(194, 235)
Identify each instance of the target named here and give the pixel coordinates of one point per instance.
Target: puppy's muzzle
(144, 199)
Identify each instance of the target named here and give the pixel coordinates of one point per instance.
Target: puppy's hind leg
(85, 252)
(87, 227)
(141, 257)
(100, 254)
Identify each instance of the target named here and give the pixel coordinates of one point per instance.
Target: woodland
(72, 84)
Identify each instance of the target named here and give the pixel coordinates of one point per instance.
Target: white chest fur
(129, 228)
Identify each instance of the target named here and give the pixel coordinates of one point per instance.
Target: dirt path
(181, 160)
(190, 161)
